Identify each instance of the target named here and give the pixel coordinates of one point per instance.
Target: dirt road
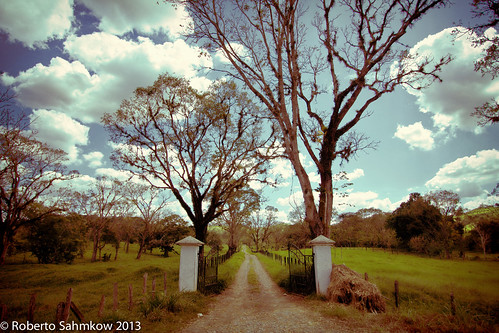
(260, 307)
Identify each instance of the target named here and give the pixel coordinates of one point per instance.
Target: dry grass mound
(349, 287)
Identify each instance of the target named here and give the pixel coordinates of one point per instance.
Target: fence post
(3, 311)
(164, 283)
(101, 306)
(130, 297)
(115, 297)
(144, 285)
(452, 304)
(396, 293)
(31, 308)
(67, 305)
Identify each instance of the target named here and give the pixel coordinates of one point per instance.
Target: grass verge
(425, 285)
(164, 311)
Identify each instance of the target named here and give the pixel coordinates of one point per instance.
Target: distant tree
(148, 203)
(259, 225)
(446, 201)
(415, 218)
(486, 230)
(169, 230)
(102, 203)
(347, 62)
(54, 239)
(203, 147)
(29, 169)
(298, 232)
(238, 209)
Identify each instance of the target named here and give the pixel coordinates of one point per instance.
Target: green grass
(425, 285)
(90, 281)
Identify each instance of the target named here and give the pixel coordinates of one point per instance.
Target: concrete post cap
(189, 241)
(322, 240)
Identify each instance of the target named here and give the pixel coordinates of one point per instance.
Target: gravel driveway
(245, 308)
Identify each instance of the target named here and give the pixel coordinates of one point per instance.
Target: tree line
(432, 224)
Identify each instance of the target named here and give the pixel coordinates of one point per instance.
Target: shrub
(54, 240)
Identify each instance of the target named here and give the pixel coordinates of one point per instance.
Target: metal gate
(301, 271)
(208, 271)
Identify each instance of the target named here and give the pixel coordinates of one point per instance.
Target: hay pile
(348, 287)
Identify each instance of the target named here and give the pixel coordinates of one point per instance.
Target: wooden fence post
(452, 304)
(67, 305)
(59, 312)
(3, 311)
(101, 306)
(144, 286)
(77, 312)
(396, 293)
(366, 277)
(164, 283)
(115, 297)
(130, 297)
(31, 308)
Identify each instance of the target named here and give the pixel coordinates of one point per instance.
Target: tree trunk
(311, 215)
(141, 248)
(95, 247)
(4, 247)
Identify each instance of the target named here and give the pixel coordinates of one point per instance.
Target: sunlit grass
(425, 285)
(90, 281)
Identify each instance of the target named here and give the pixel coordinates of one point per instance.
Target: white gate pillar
(188, 271)
(321, 246)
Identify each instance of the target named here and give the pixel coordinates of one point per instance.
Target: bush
(54, 240)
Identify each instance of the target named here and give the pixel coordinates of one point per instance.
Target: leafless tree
(149, 203)
(101, 204)
(260, 224)
(316, 85)
(239, 209)
(203, 148)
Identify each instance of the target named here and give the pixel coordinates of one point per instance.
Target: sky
(71, 61)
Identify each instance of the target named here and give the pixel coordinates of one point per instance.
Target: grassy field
(425, 285)
(90, 281)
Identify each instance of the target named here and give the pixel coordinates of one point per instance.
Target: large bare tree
(29, 169)
(203, 147)
(318, 67)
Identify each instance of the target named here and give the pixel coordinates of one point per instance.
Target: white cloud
(416, 136)
(118, 67)
(369, 199)
(113, 173)
(33, 22)
(357, 173)
(59, 131)
(468, 175)
(462, 89)
(119, 17)
(94, 159)
(281, 167)
(61, 86)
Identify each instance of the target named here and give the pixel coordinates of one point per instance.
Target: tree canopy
(201, 146)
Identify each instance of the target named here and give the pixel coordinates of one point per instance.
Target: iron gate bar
(301, 270)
